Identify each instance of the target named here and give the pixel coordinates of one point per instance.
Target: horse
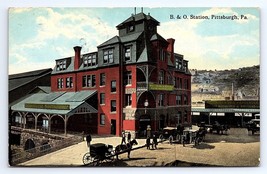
(125, 147)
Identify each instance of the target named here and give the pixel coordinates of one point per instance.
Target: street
(235, 149)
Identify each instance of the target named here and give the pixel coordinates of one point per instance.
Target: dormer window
(131, 28)
(61, 65)
(108, 56)
(89, 60)
(185, 66)
(127, 53)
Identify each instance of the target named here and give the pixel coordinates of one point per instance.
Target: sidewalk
(72, 155)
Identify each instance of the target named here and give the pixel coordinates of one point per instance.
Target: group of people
(154, 142)
(123, 139)
(129, 136)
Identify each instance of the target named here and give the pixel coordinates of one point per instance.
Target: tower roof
(138, 17)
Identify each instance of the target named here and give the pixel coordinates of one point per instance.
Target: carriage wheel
(197, 141)
(95, 161)
(110, 156)
(183, 141)
(178, 138)
(87, 158)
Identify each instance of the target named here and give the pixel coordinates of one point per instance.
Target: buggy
(98, 152)
(172, 134)
(193, 136)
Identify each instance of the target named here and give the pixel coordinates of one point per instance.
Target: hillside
(218, 85)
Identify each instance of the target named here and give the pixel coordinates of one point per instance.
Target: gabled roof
(44, 89)
(123, 39)
(59, 103)
(144, 56)
(113, 40)
(138, 17)
(131, 37)
(17, 80)
(159, 38)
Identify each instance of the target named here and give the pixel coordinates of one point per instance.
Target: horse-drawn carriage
(183, 134)
(193, 136)
(101, 152)
(98, 152)
(219, 128)
(170, 134)
(254, 124)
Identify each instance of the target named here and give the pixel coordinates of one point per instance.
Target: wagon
(98, 152)
(193, 136)
(172, 134)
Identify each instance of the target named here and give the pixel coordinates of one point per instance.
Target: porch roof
(61, 103)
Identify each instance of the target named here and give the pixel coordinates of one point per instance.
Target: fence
(26, 155)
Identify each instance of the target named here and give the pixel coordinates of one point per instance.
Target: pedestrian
(129, 137)
(148, 131)
(155, 142)
(123, 139)
(148, 142)
(88, 140)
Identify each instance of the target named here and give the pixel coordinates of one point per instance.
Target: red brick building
(134, 79)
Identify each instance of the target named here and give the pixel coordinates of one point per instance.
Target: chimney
(77, 57)
(170, 48)
(171, 45)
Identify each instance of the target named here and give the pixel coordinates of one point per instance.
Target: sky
(39, 36)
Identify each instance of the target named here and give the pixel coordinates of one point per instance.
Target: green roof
(58, 103)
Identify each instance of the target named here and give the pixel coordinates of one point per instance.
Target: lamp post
(146, 104)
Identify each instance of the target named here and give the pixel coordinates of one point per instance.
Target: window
(61, 65)
(185, 84)
(161, 99)
(113, 86)
(128, 78)
(127, 53)
(113, 105)
(128, 99)
(185, 66)
(161, 55)
(93, 81)
(161, 77)
(89, 81)
(60, 83)
(102, 98)
(94, 60)
(175, 82)
(69, 82)
(89, 60)
(102, 79)
(102, 119)
(178, 100)
(170, 81)
(108, 56)
(185, 100)
(131, 28)
(185, 116)
(178, 63)
(180, 81)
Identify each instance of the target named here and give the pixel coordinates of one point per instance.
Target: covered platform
(40, 109)
(224, 112)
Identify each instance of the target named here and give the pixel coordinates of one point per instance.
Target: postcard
(134, 87)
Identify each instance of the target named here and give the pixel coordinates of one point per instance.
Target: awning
(61, 103)
(225, 110)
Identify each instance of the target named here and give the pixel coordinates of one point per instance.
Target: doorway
(113, 127)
